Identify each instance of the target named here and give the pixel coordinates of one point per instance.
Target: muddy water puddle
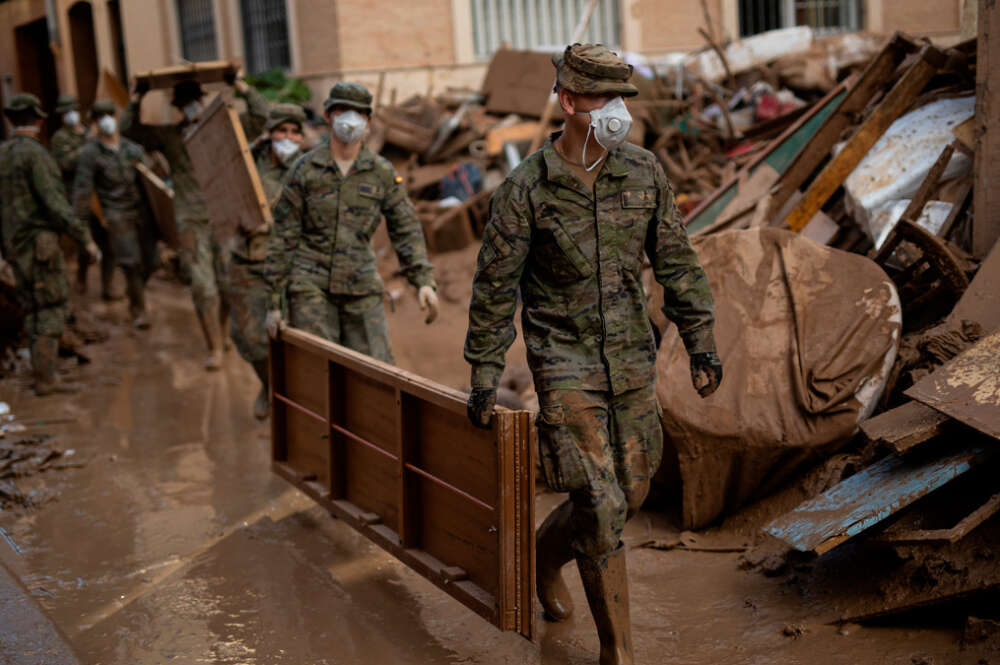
(175, 543)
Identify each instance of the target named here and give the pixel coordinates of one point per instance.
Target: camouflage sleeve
(506, 242)
(65, 156)
(255, 119)
(48, 186)
(148, 136)
(407, 234)
(83, 183)
(284, 238)
(687, 297)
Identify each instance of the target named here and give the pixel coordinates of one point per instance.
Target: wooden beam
(906, 426)
(893, 106)
(986, 225)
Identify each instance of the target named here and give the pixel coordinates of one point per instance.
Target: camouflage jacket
(189, 202)
(324, 222)
(66, 147)
(33, 200)
(577, 257)
(110, 173)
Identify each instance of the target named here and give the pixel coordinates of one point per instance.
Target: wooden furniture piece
(161, 203)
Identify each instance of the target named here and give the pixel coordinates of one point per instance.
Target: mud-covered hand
(273, 323)
(7, 274)
(480, 407)
(706, 372)
(428, 299)
(93, 252)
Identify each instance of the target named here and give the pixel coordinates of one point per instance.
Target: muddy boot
(552, 552)
(44, 353)
(606, 583)
(208, 316)
(136, 297)
(261, 405)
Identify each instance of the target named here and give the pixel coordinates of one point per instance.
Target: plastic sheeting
(807, 335)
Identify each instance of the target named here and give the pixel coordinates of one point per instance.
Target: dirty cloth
(807, 335)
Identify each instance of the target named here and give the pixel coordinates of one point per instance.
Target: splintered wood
(226, 172)
(395, 457)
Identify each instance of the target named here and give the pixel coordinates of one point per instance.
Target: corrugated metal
(546, 24)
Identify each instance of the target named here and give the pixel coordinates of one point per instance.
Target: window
(265, 35)
(824, 16)
(197, 24)
(527, 24)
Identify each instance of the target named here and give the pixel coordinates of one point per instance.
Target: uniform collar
(557, 171)
(365, 160)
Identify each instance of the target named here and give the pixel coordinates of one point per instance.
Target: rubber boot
(208, 316)
(262, 405)
(44, 353)
(605, 581)
(552, 552)
(135, 287)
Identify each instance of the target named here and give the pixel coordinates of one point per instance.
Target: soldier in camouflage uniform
(249, 290)
(34, 212)
(67, 143)
(107, 167)
(203, 260)
(569, 228)
(332, 203)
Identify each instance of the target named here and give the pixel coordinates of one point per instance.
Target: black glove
(706, 372)
(480, 407)
(141, 86)
(229, 76)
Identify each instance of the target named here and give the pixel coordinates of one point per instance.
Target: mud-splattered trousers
(322, 257)
(575, 256)
(34, 210)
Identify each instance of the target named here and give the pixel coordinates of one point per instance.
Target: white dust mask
(349, 126)
(71, 118)
(284, 149)
(610, 126)
(192, 110)
(107, 125)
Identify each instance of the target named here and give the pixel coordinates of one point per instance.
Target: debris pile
(24, 454)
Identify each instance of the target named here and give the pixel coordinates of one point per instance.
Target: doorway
(36, 67)
(84, 44)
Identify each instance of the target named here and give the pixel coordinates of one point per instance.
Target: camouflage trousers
(248, 300)
(203, 263)
(42, 286)
(603, 449)
(357, 322)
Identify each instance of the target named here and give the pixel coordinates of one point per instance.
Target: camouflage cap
(285, 113)
(103, 107)
(25, 101)
(349, 93)
(593, 69)
(66, 103)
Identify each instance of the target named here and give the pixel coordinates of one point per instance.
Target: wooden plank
(952, 535)
(906, 426)
(986, 225)
(214, 71)
(394, 455)
(495, 138)
(160, 198)
(870, 496)
(967, 387)
(225, 169)
(890, 108)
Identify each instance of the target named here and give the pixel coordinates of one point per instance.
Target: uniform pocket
(560, 456)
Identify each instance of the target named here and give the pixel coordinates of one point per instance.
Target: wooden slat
(952, 535)
(868, 497)
(161, 203)
(906, 426)
(893, 106)
(213, 71)
(986, 225)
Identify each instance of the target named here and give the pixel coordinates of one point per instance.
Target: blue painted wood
(868, 497)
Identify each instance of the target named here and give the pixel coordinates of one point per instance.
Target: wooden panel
(906, 426)
(393, 455)
(226, 171)
(214, 71)
(160, 199)
(986, 225)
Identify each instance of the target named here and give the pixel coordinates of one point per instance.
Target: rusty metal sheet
(870, 496)
(967, 387)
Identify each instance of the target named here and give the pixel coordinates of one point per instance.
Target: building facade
(52, 46)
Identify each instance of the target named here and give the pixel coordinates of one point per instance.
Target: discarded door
(394, 456)
(226, 171)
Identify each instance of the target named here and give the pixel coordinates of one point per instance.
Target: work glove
(480, 407)
(273, 323)
(706, 372)
(93, 252)
(428, 299)
(7, 274)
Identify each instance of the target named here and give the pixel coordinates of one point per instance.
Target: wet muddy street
(175, 543)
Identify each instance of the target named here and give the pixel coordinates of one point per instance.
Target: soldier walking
(203, 260)
(34, 212)
(334, 199)
(569, 228)
(107, 167)
(249, 289)
(67, 142)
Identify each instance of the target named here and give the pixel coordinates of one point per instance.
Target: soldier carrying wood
(569, 230)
